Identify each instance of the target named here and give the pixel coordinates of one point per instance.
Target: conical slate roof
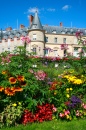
(36, 24)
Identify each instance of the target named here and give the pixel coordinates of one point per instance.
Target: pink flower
(54, 109)
(79, 34)
(61, 115)
(40, 75)
(31, 71)
(77, 113)
(67, 112)
(64, 46)
(26, 40)
(84, 105)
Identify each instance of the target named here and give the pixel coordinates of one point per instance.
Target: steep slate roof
(62, 30)
(36, 24)
(14, 33)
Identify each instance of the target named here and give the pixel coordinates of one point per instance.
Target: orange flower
(1, 89)
(9, 91)
(12, 80)
(53, 86)
(4, 72)
(20, 78)
(18, 89)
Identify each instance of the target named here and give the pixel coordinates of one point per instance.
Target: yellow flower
(71, 89)
(20, 78)
(4, 72)
(53, 117)
(67, 116)
(14, 104)
(78, 81)
(55, 93)
(67, 95)
(1, 88)
(70, 118)
(67, 89)
(19, 103)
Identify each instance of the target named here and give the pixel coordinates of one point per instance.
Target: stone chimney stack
(21, 26)
(61, 24)
(31, 19)
(9, 29)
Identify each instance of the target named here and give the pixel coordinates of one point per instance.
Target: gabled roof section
(36, 24)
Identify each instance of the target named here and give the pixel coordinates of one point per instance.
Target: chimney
(9, 29)
(21, 26)
(31, 19)
(61, 24)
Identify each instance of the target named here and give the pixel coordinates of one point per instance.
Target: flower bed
(30, 91)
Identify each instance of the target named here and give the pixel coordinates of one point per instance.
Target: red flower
(18, 89)
(9, 91)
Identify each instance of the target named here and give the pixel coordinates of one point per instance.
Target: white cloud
(66, 7)
(51, 9)
(33, 10)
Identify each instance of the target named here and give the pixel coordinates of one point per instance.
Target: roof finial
(36, 10)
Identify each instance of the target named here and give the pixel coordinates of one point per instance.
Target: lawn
(52, 125)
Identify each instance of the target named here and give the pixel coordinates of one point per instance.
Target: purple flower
(75, 99)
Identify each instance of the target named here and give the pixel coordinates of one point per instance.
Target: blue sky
(72, 13)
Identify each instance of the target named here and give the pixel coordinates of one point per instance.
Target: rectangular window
(46, 39)
(76, 48)
(34, 50)
(34, 36)
(55, 40)
(2, 49)
(8, 48)
(65, 53)
(46, 52)
(55, 53)
(64, 40)
(76, 53)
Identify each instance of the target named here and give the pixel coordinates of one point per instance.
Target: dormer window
(63, 32)
(35, 25)
(54, 31)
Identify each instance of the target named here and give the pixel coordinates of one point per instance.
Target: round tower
(36, 34)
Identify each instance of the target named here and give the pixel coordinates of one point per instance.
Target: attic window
(63, 32)
(35, 25)
(54, 31)
(71, 30)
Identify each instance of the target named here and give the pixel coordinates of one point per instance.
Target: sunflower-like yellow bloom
(78, 81)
